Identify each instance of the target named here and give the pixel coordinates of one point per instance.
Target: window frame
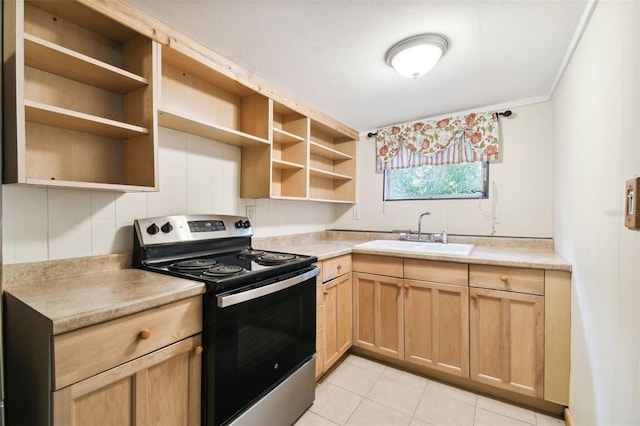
(474, 196)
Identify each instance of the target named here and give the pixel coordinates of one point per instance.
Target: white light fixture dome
(415, 56)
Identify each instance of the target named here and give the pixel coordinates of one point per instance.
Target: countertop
(82, 300)
(515, 252)
(70, 298)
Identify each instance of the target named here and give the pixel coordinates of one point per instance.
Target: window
(452, 181)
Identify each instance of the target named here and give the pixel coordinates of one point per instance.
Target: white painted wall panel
(596, 139)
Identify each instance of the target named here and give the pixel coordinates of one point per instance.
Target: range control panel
(183, 228)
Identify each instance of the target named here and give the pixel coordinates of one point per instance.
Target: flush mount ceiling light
(415, 56)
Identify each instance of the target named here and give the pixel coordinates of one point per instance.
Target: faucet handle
(444, 236)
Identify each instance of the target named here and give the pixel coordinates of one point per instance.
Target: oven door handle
(234, 299)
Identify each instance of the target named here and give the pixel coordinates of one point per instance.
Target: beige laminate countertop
(514, 253)
(79, 301)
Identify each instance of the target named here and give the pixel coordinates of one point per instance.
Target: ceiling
(331, 54)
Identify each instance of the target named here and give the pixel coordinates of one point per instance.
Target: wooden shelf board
(284, 137)
(287, 197)
(59, 60)
(325, 152)
(328, 175)
(325, 200)
(72, 120)
(213, 131)
(285, 165)
(90, 185)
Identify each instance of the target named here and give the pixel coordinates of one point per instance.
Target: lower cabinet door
(507, 340)
(378, 313)
(338, 320)
(162, 387)
(437, 326)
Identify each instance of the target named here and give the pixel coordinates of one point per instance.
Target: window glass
(465, 180)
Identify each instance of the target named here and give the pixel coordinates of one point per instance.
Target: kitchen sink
(403, 246)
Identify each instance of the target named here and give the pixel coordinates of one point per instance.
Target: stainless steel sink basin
(402, 246)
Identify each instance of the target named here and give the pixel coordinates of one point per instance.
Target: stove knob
(246, 224)
(167, 227)
(238, 224)
(153, 229)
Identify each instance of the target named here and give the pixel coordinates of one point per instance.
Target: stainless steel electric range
(259, 315)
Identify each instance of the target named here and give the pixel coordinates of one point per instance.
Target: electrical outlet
(251, 213)
(356, 212)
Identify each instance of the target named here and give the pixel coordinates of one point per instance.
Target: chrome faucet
(420, 224)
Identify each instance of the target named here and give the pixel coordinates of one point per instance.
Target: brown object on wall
(632, 204)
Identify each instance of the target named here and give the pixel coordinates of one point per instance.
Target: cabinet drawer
(335, 267)
(520, 280)
(85, 352)
(434, 271)
(378, 265)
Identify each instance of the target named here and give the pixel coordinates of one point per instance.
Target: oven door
(255, 338)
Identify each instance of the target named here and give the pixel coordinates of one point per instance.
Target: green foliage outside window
(465, 180)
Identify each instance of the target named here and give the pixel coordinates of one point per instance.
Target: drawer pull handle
(145, 333)
(474, 297)
(504, 279)
(198, 350)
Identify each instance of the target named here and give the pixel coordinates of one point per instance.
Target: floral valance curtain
(461, 139)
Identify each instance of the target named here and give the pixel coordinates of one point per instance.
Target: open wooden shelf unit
(88, 82)
(197, 99)
(332, 166)
(81, 94)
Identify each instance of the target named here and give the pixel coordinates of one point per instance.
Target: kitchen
(573, 195)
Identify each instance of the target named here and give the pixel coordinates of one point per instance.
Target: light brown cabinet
(80, 99)
(160, 388)
(379, 314)
(334, 312)
(423, 319)
(505, 327)
(437, 326)
(437, 315)
(507, 340)
(337, 318)
(143, 368)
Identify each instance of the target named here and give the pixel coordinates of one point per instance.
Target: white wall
(596, 140)
(197, 175)
(522, 178)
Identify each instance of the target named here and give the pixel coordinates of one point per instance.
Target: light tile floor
(360, 392)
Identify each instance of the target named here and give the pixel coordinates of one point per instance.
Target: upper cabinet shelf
(41, 54)
(329, 153)
(209, 130)
(283, 137)
(80, 122)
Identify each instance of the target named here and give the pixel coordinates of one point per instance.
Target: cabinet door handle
(474, 297)
(144, 334)
(505, 279)
(198, 350)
